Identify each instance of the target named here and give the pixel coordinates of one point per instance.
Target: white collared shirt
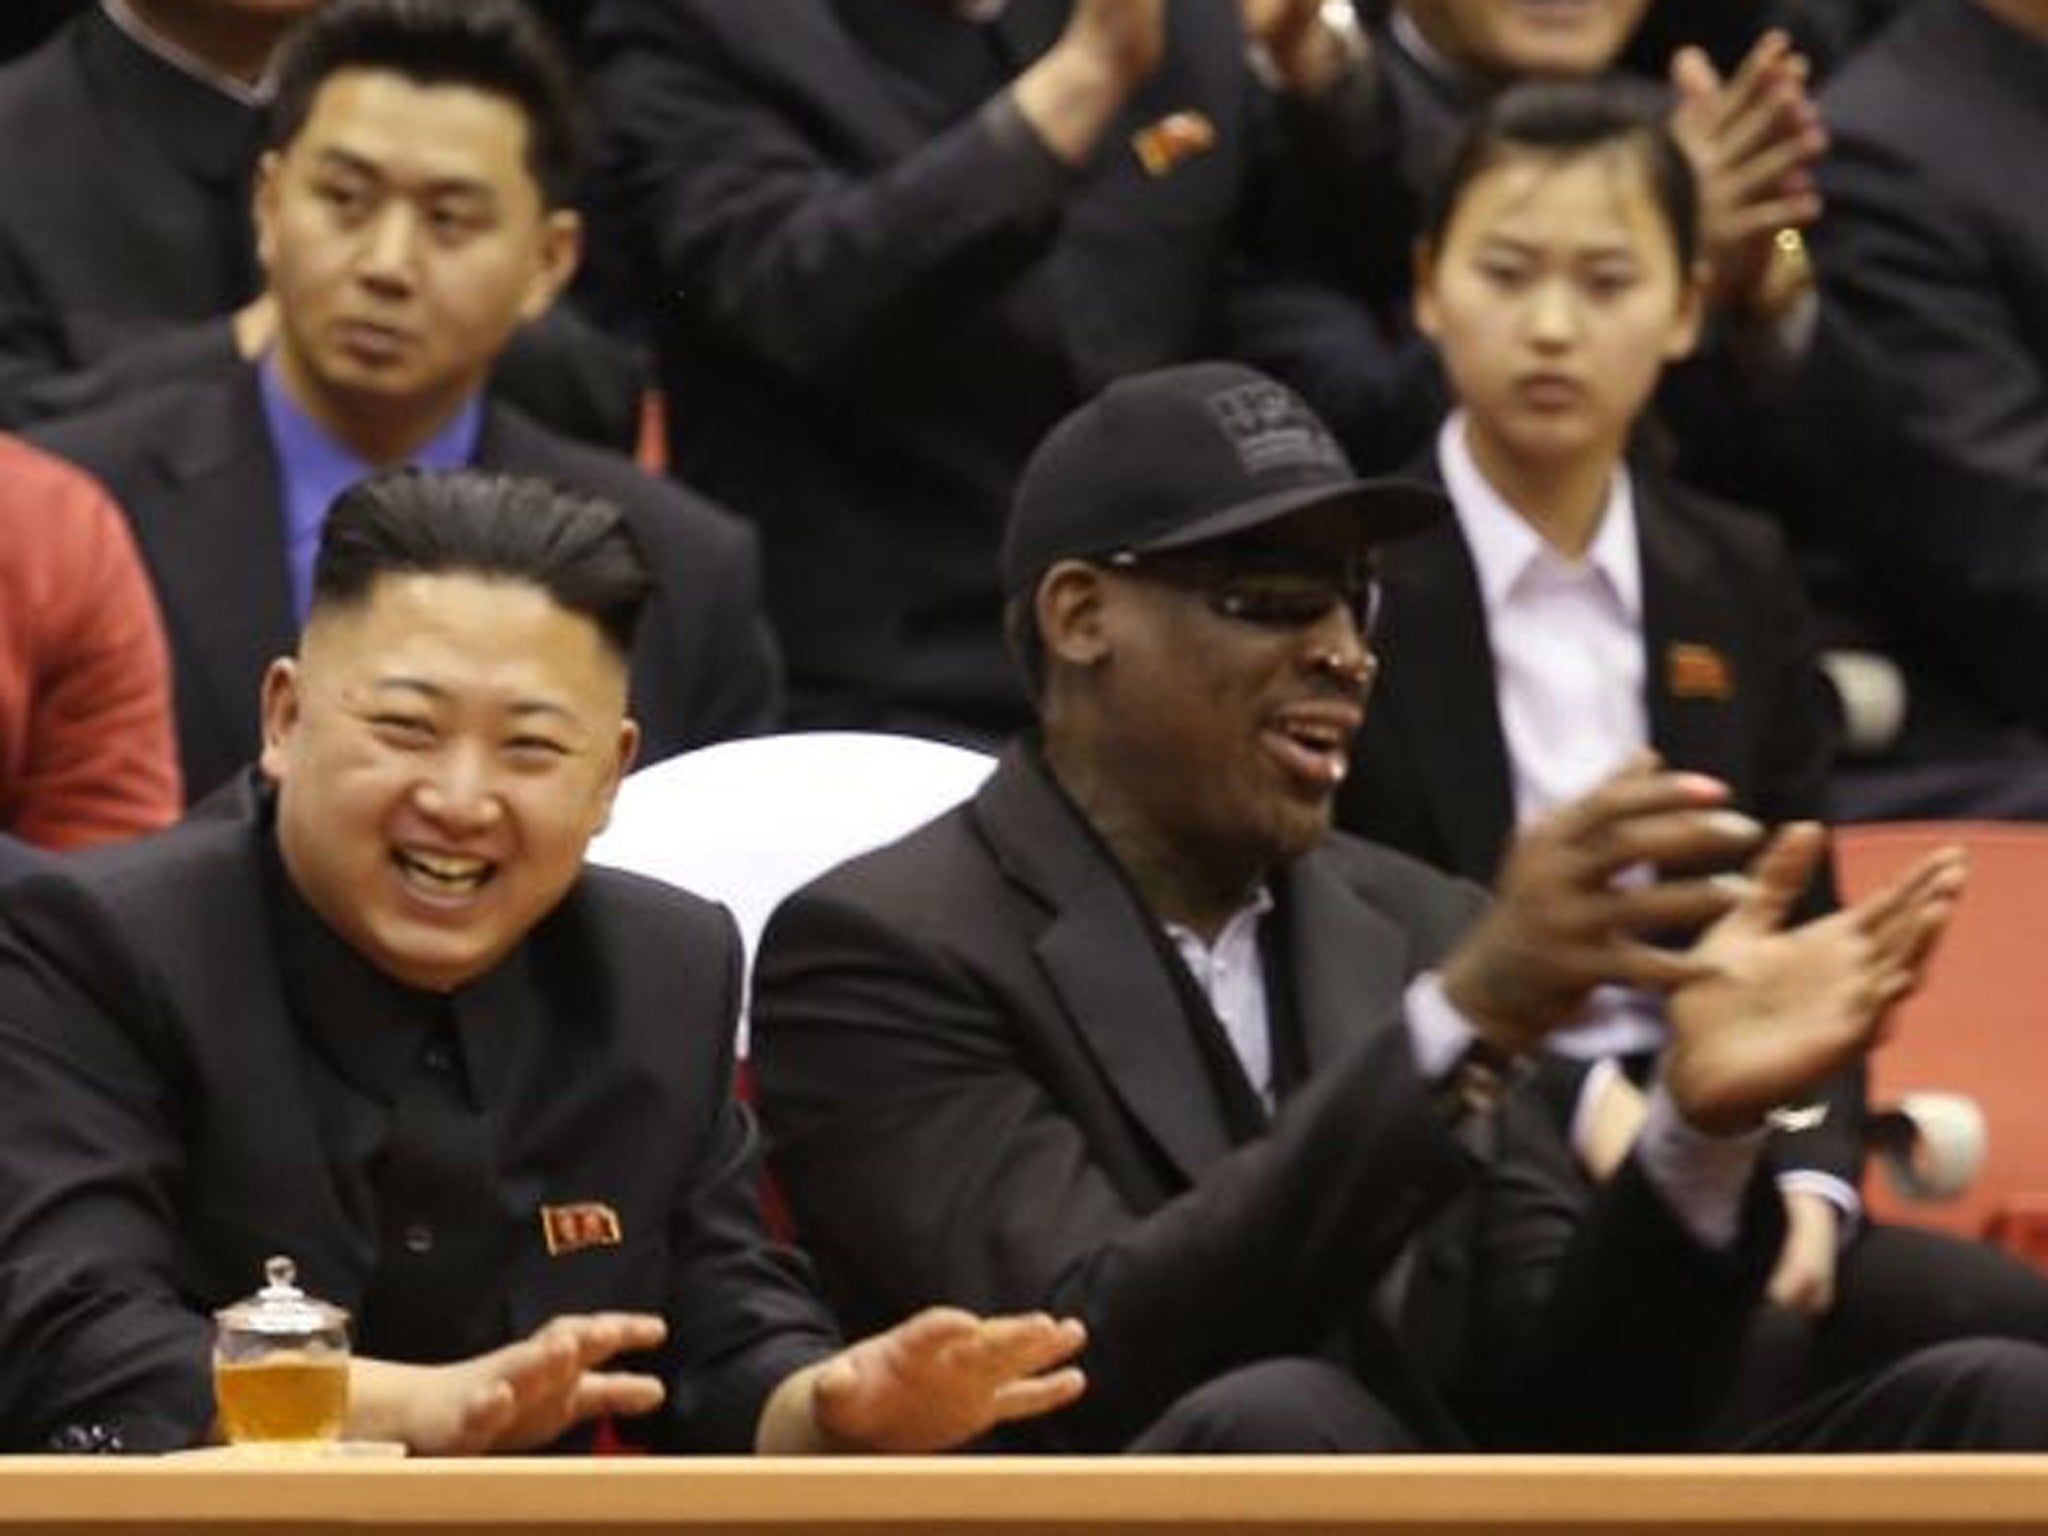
(1232, 975)
(1567, 642)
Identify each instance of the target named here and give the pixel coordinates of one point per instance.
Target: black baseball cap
(1187, 455)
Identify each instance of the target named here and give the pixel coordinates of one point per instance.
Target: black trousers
(1900, 1293)
(1932, 1344)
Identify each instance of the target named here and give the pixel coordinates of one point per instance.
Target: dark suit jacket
(197, 474)
(872, 308)
(165, 1125)
(1934, 252)
(18, 858)
(130, 185)
(977, 1061)
(1733, 692)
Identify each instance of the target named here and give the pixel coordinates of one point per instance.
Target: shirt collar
(1506, 546)
(450, 448)
(1241, 928)
(370, 1029)
(138, 31)
(315, 467)
(209, 134)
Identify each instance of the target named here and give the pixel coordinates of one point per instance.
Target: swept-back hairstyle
(1566, 119)
(496, 46)
(576, 548)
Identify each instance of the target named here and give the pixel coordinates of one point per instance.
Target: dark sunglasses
(1290, 591)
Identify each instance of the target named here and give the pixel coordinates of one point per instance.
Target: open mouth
(1312, 748)
(443, 876)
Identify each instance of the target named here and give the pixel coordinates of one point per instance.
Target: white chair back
(747, 822)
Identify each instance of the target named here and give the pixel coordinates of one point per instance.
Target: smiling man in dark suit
(375, 1014)
(1135, 1035)
(411, 215)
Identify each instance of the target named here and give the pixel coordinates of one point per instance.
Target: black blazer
(138, 178)
(978, 1069)
(1734, 691)
(1934, 255)
(162, 1130)
(197, 474)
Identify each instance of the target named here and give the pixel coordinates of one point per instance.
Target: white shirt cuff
(1437, 1032)
(1838, 1192)
(1598, 1077)
(1701, 1177)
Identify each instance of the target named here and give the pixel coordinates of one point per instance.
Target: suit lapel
(1348, 961)
(1691, 632)
(215, 545)
(1129, 1014)
(1438, 687)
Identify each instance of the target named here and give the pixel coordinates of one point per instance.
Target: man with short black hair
(376, 1015)
(411, 217)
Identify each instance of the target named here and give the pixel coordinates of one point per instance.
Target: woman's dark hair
(576, 548)
(1565, 119)
(496, 46)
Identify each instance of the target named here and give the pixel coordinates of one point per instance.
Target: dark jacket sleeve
(93, 1333)
(741, 1312)
(1602, 1324)
(935, 1146)
(926, 1161)
(1949, 465)
(728, 201)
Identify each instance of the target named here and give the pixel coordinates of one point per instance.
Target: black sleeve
(741, 1313)
(93, 1332)
(1945, 452)
(732, 208)
(926, 1161)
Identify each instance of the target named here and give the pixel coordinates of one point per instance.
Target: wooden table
(1278, 1496)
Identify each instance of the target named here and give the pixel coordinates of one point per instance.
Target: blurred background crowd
(816, 275)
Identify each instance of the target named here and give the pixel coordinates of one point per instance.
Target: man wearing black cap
(1135, 1035)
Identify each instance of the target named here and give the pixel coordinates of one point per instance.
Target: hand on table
(520, 1397)
(930, 1383)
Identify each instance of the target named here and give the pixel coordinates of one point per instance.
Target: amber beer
(291, 1395)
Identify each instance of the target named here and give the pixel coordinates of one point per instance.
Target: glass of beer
(280, 1364)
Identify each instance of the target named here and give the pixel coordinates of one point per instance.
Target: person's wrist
(1489, 1003)
(1069, 98)
(1698, 1110)
(1327, 50)
(1781, 281)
